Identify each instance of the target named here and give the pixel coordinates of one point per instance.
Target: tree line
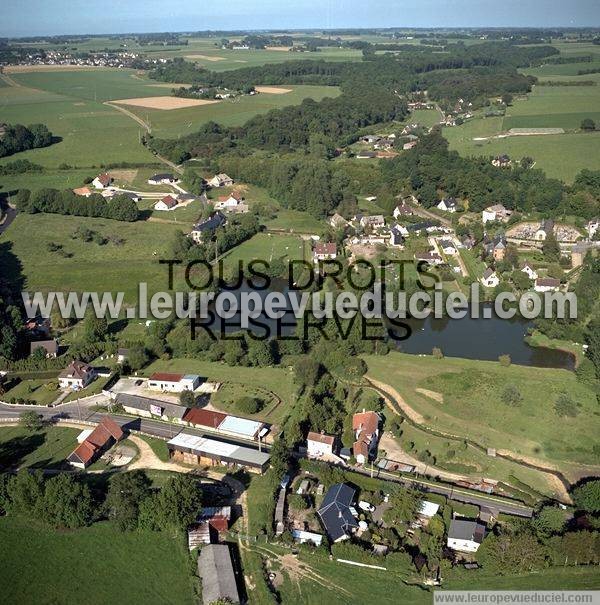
(17, 137)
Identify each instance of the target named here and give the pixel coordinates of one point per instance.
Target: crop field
(472, 404)
(88, 266)
(145, 567)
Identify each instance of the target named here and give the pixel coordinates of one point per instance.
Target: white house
(376, 221)
(490, 279)
(529, 271)
(221, 180)
(162, 179)
(433, 258)
(428, 509)
(497, 212)
(546, 284)
(448, 247)
(173, 383)
(319, 445)
(102, 180)
(402, 209)
(592, 227)
(232, 203)
(326, 251)
(167, 203)
(448, 205)
(77, 375)
(465, 536)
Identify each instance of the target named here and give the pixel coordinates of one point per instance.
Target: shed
(216, 570)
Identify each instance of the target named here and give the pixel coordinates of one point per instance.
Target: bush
(565, 406)
(437, 353)
(249, 405)
(187, 398)
(505, 360)
(511, 396)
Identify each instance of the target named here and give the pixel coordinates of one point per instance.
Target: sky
(51, 17)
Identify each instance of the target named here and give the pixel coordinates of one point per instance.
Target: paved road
(11, 214)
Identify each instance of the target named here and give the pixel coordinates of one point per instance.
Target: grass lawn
(36, 390)
(297, 221)
(267, 247)
(425, 117)
(473, 407)
(70, 567)
(159, 447)
(275, 379)
(91, 267)
(94, 388)
(46, 448)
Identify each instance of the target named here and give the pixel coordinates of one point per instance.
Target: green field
(268, 247)
(36, 390)
(473, 407)
(91, 267)
(425, 117)
(47, 448)
(94, 565)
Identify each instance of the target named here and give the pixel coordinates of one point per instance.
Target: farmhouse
(174, 383)
(546, 284)
(366, 434)
(319, 444)
(215, 568)
(50, 347)
(448, 205)
(529, 271)
(501, 161)
(102, 181)
(151, 408)
(162, 179)
(193, 449)
(336, 514)
(204, 229)
(497, 212)
(232, 203)
(490, 278)
(76, 376)
(226, 424)
(324, 252)
(433, 258)
(102, 438)
(167, 203)
(465, 536)
(220, 180)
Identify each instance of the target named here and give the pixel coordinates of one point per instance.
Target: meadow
(268, 247)
(472, 404)
(71, 567)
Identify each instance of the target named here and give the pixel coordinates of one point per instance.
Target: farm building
(215, 568)
(233, 426)
(174, 383)
(102, 181)
(102, 438)
(193, 449)
(150, 408)
(77, 375)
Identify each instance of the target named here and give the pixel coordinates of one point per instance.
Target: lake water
(470, 338)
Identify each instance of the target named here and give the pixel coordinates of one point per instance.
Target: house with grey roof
(465, 535)
(335, 512)
(151, 408)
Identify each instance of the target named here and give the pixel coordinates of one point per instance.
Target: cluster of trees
(19, 167)
(18, 138)
(55, 201)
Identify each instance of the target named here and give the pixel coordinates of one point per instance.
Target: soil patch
(165, 103)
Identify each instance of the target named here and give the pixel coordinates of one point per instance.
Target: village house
(465, 536)
(396, 237)
(101, 439)
(376, 221)
(409, 145)
(50, 347)
(490, 278)
(431, 257)
(501, 161)
(496, 247)
(337, 221)
(174, 383)
(497, 212)
(402, 209)
(448, 204)
(324, 251)
(546, 284)
(162, 179)
(234, 202)
(38, 327)
(366, 155)
(77, 375)
(370, 139)
(83, 191)
(529, 271)
(448, 247)
(579, 252)
(366, 434)
(220, 180)
(167, 203)
(134, 197)
(151, 408)
(592, 227)
(102, 181)
(336, 512)
(319, 445)
(204, 229)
